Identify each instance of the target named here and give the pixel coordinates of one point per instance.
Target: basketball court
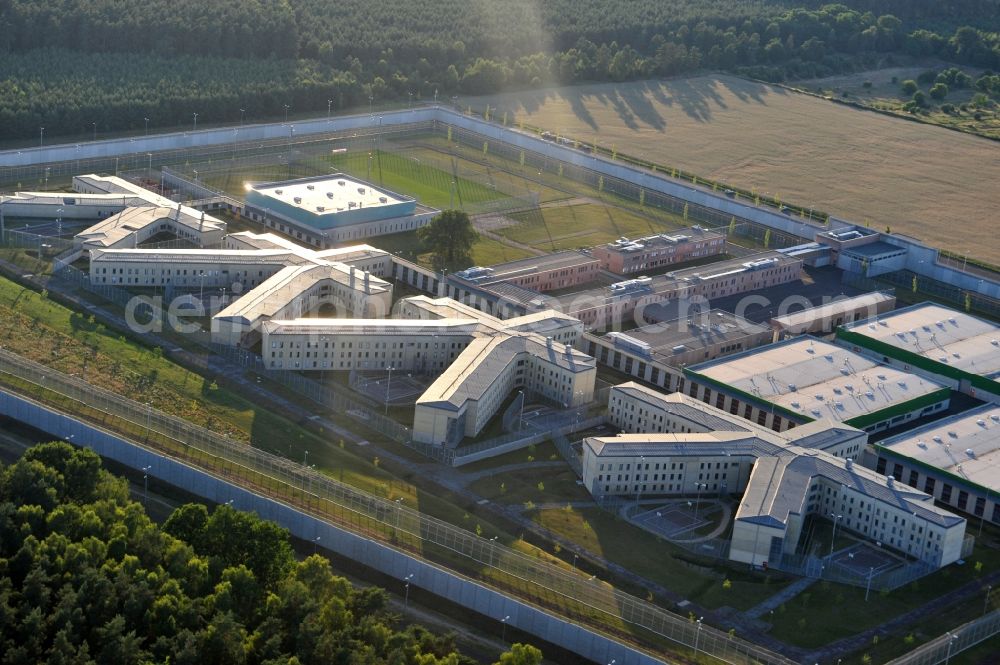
(399, 389)
(671, 520)
(863, 559)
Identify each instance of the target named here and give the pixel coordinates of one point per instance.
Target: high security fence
(942, 649)
(904, 281)
(565, 591)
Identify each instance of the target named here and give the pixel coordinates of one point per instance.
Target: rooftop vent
(361, 190)
(840, 405)
(817, 412)
(819, 397)
(970, 452)
(952, 320)
(792, 387)
(828, 356)
(320, 208)
(921, 444)
(883, 323)
(849, 388)
(278, 192)
(881, 377)
(953, 434)
(795, 405)
(845, 371)
(341, 183)
(298, 199)
(995, 342)
(837, 391)
(956, 355)
(872, 326)
(810, 350)
(310, 187)
(889, 480)
(382, 199)
(995, 418)
(870, 395)
(329, 195)
(937, 438)
(849, 463)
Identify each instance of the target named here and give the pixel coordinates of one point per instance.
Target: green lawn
(812, 620)
(640, 551)
(485, 252)
(581, 225)
(429, 184)
(557, 485)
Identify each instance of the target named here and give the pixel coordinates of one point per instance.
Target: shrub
(939, 91)
(909, 87)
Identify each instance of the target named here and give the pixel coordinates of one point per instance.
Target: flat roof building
(804, 379)
(604, 307)
(651, 253)
(950, 346)
(955, 459)
(550, 272)
(825, 318)
(674, 445)
(323, 210)
(655, 353)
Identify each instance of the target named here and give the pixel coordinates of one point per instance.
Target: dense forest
(86, 577)
(63, 67)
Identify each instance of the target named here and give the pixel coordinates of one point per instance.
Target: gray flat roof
(693, 332)
(941, 334)
(328, 194)
(876, 248)
(833, 308)
(677, 279)
(816, 379)
(966, 445)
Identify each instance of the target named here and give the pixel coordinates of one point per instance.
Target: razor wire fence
(558, 588)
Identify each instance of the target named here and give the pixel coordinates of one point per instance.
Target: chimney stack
(352, 277)
(850, 464)
(367, 285)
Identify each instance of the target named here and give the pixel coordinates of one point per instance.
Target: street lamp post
(520, 417)
(406, 596)
(316, 544)
(951, 641)
(305, 458)
(329, 103)
(145, 484)
(95, 130)
(242, 113)
(503, 631)
(195, 121)
(286, 113)
(833, 538)
(388, 386)
(868, 588)
(146, 131)
(697, 497)
(41, 136)
(697, 634)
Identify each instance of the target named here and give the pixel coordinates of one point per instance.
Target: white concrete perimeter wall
(920, 259)
(377, 556)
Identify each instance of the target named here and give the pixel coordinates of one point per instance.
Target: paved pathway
(780, 598)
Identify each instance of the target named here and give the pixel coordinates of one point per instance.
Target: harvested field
(920, 180)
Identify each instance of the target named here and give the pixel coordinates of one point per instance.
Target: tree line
(63, 68)
(86, 577)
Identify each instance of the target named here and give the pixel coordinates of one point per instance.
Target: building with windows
(803, 379)
(949, 346)
(324, 210)
(956, 460)
(656, 353)
(133, 226)
(606, 307)
(479, 360)
(826, 318)
(674, 445)
(260, 277)
(653, 253)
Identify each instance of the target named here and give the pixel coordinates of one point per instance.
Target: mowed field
(924, 181)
